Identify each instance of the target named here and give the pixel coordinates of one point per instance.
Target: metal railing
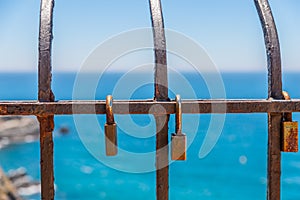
(46, 106)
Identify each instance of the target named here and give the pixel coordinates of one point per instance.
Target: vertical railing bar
(272, 48)
(275, 92)
(160, 94)
(161, 74)
(45, 95)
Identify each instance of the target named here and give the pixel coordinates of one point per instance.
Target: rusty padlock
(289, 131)
(110, 129)
(178, 140)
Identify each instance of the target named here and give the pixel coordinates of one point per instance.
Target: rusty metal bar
(275, 92)
(148, 107)
(274, 156)
(45, 95)
(272, 48)
(161, 73)
(160, 94)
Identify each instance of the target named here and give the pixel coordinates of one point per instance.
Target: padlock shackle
(286, 95)
(109, 111)
(178, 123)
(287, 116)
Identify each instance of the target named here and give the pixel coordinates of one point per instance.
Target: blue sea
(235, 168)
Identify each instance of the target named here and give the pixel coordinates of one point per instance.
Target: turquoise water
(234, 169)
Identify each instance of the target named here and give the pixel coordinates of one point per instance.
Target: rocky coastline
(15, 130)
(7, 190)
(18, 129)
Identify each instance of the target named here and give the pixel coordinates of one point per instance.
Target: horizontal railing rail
(149, 107)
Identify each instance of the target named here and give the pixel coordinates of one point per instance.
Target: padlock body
(111, 139)
(178, 147)
(290, 137)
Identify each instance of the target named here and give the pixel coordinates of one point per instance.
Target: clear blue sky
(228, 29)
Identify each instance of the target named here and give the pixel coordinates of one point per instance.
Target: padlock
(178, 140)
(110, 129)
(290, 137)
(289, 131)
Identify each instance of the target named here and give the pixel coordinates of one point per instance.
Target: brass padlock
(178, 140)
(289, 131)
(110, 129)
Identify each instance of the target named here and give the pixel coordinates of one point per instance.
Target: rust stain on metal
(148, 107)
(275, 92)
(160, 94)
(45, 94)
(274, 156)
(46, 151)
(162, 158)
(3, 110)
(290, 137)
